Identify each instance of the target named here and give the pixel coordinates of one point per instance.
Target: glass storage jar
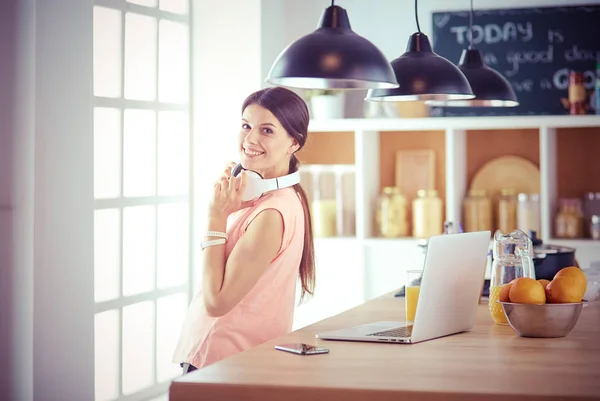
(528, 213)
(477, 210)
(391, 213)
(507, 210)
(324, 204)
(428, 214)
(346, 182)
(569, 219)
(595, 227)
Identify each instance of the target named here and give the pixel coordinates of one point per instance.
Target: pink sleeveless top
(266, 312)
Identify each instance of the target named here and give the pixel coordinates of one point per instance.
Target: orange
(544, 282)
(565, 289)
(575, 273)
(503, 296)
(526, 290)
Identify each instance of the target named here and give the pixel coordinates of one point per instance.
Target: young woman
(253, 251)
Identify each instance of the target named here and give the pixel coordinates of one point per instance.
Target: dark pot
(549, 259)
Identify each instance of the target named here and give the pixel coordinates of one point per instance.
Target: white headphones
(256, 185)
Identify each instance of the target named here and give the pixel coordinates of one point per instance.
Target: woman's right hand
(227, 172)
(227, 195)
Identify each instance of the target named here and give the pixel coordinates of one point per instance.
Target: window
(142, 189)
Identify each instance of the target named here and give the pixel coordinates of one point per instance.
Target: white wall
(227, 59)
(46, 201)
(16, 199)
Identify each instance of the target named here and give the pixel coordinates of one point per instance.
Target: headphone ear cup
(237, 170)
(254, 189)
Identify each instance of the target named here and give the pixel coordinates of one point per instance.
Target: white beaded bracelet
(216, 234)
(205, 244)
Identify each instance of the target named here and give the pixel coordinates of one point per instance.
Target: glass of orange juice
(411, 293)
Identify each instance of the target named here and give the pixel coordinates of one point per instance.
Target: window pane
(147, 3)
(107, 251)
(140, 57)
(107, 153)
(107, 52)
(106, 355)
(138, 337)
(174, 62)
(139, 164)
(175, 6)
(138, 249)
(173, 153)
(172, 256)
(170, 312)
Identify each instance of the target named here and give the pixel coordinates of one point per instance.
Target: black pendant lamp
(491, 89)
(423, 74)
(332, 57)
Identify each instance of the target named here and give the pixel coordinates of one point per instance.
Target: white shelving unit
(366, 139)
(383, 262)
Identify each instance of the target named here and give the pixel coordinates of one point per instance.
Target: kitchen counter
(488, 363)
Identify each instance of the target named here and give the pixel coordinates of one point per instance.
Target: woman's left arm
(226, 283)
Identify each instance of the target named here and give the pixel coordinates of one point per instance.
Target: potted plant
(325, 104)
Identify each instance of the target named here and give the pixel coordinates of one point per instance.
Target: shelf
(483, 146)
(578, 162)
(443, 123)
(391, 142)
(331, 147)
(564, 147)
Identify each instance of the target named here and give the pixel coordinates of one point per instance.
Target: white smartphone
(301, 349)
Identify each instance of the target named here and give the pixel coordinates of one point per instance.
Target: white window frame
(121, 202)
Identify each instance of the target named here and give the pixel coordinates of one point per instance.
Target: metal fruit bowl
(542, 320)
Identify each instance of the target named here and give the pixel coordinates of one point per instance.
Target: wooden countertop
(488, 363)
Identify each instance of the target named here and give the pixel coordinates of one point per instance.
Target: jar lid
(523, 197)
(423, 193)
(391, 190)
(477, 192)
(508, 192)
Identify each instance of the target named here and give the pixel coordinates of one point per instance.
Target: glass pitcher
(512, 258)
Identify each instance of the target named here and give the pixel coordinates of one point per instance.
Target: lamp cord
(471, 26)
(417, 17)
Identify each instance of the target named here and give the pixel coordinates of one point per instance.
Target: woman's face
(265, 146)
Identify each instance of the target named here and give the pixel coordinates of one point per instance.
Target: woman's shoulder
(286, 199)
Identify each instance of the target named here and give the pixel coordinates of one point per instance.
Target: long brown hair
(292, 112)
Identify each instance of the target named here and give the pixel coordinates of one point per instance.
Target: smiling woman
(254, 251)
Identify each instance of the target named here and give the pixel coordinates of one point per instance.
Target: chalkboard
(534, 48)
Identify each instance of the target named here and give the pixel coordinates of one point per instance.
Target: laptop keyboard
(405, 331)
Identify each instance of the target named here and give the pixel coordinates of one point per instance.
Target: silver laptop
(453, 274)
